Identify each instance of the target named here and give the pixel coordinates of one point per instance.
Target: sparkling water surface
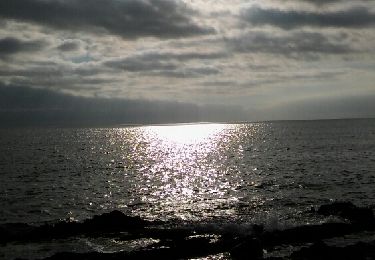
(203, 173)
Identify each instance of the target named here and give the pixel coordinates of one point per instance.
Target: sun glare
(186, 170)
(185, 133)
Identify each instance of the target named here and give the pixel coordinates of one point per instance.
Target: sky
(103, 62)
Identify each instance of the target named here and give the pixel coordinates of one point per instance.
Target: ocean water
(224, 175)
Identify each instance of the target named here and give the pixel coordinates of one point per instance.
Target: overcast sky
(138, 60)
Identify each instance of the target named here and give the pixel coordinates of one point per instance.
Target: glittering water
(252, 172)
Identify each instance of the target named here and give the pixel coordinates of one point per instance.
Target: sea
(219, 175)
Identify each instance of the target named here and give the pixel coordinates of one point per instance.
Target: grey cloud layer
(257, 56)
(69, 46)
(166, 64)
(351, 18)
(327, 2)
(295, 45)
(10, 45)
(127, 18)
(27, 106)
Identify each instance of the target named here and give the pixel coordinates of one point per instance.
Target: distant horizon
(126, 125)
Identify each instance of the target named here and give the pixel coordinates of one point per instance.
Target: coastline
(184, 242)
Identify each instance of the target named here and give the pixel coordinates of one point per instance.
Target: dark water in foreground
(221, 175)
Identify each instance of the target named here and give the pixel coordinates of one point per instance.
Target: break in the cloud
(358, 17)
(249, 60)
(128, 19)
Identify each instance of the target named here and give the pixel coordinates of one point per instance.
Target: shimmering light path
(187, 173)
(204, 172)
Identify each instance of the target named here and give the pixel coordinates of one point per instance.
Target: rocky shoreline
(184, 243)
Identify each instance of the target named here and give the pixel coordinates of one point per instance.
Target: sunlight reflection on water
(205, 172)
(183, 171)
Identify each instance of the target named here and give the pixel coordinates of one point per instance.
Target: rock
(320, 250)
(251, 248)
(115, 220)
(347, 210)
(308, 233)
(14, 231)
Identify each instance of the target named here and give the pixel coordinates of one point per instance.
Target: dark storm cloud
(10, 45)
(127, 18)
(69, 46)
(295, 45)
(350, 18)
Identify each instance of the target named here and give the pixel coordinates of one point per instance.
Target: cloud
(289, 19)
(349, 106)
(168, 64)
(293, 45)
(128, 18)
(189, 72)
(138, 65)
(23, 106)
(326, 2)
(160, 60)
(181, 56)
(57, 76)
(67, 46)
(320, 2)
(10, 46)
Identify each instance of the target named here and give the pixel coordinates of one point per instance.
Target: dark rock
(251, 248)
(186, 248)
(308, 233)
(14, 231)
(320, 250)
(114, 221)
(347, 210)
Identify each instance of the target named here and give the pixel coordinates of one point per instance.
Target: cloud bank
(128, 19)
(241, 60)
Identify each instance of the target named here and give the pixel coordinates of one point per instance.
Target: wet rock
(308, 233)
(175, 249)
(320, 250)
(250, 248)
(114, 221)
(347, 210)
(14, 231)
